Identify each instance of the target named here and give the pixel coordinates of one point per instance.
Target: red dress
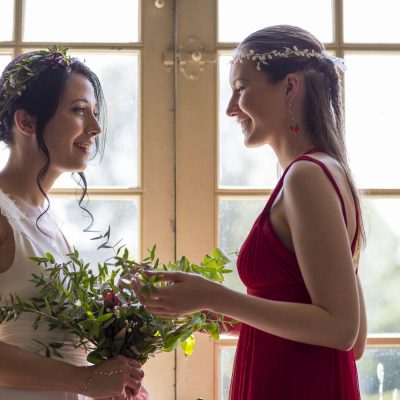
(268, 367)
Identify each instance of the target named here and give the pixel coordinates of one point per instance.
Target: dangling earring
(293, 125)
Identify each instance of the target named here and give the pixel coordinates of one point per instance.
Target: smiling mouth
(83, 146)
(245, 124)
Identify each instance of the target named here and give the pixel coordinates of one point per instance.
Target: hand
(187, 294)
(142, 395)
(119, 377)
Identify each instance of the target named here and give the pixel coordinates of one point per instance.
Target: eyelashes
(82, 111)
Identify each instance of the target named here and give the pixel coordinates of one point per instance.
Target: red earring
(293, 125)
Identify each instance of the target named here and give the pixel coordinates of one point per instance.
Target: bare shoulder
(310, 198)
(7, 244)
(306, 178)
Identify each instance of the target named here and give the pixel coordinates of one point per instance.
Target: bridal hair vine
(264, 58)
(25, 71)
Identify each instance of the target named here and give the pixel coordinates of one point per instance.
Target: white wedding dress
(29, 241)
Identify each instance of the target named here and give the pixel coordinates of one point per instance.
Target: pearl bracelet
(105, 373)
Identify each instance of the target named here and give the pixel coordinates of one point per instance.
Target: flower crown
(17, 78)
(263, 58)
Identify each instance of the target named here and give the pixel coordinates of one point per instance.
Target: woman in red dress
(303, 317)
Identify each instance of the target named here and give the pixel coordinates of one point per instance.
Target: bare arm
(321, 243)
(359, 346)
(23, 369)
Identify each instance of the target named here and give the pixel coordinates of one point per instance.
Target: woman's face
(70, 134)
(258, 105)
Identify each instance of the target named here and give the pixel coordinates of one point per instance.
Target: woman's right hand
(119, 377)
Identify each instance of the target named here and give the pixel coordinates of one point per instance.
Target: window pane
(226, 357)
(118, 74)
(237, 18)
(379, 268)
(372, 128)
(235, 219)
(379, 22)
(239, 166)
(4, 60)
(6, 20)
(386, 361)
(121, 215)
(81, 21)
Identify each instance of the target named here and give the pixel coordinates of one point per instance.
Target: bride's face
(70, 134)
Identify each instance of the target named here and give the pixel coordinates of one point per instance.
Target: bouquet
(102, 310)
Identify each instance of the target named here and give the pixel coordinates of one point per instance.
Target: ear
(24, 122)
(292, 87)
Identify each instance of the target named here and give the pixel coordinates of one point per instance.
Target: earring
(293, 125)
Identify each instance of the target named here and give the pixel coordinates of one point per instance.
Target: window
(176, 172)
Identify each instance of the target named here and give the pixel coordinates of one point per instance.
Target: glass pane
(6, 20)
(237, 19)
(372, 128)
(118, 73)
(226, 358)
(121, 215)
(379, 374)
(81, 21)
(239, 166)
(380, 264)
(4, 60)
(378, 24)
(235, 219)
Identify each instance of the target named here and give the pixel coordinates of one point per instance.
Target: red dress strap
(306, 157)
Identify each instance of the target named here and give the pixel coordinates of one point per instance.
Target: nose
(233, 108)
(93, 128)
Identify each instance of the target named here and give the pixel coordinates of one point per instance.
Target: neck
(19, 179)
(290, 148)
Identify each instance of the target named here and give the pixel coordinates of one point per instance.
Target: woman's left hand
(187, 294)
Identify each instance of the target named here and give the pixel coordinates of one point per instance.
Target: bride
(50, 108)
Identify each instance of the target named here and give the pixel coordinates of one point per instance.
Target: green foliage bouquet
(102, 310)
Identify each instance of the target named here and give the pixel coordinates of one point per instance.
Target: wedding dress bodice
(31, 241)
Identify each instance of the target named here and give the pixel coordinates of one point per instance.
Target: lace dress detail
(9, 209)
(30, 241)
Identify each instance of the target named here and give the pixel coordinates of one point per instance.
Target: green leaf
(105, 317)
(48, 308)
(94, 358)
(188, 345)
(50, 257)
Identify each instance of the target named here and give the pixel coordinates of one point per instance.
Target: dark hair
(323, 105)
(40, 99)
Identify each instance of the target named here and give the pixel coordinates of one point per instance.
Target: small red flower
(110, 299)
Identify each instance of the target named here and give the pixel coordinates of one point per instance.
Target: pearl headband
(263, 58)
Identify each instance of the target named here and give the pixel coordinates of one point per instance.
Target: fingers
(167, 276)
(136, 373)
(133, 385)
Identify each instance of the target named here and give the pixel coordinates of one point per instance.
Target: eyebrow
(239, 78)
(81, 99)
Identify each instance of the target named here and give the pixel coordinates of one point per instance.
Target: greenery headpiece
(23, 72)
